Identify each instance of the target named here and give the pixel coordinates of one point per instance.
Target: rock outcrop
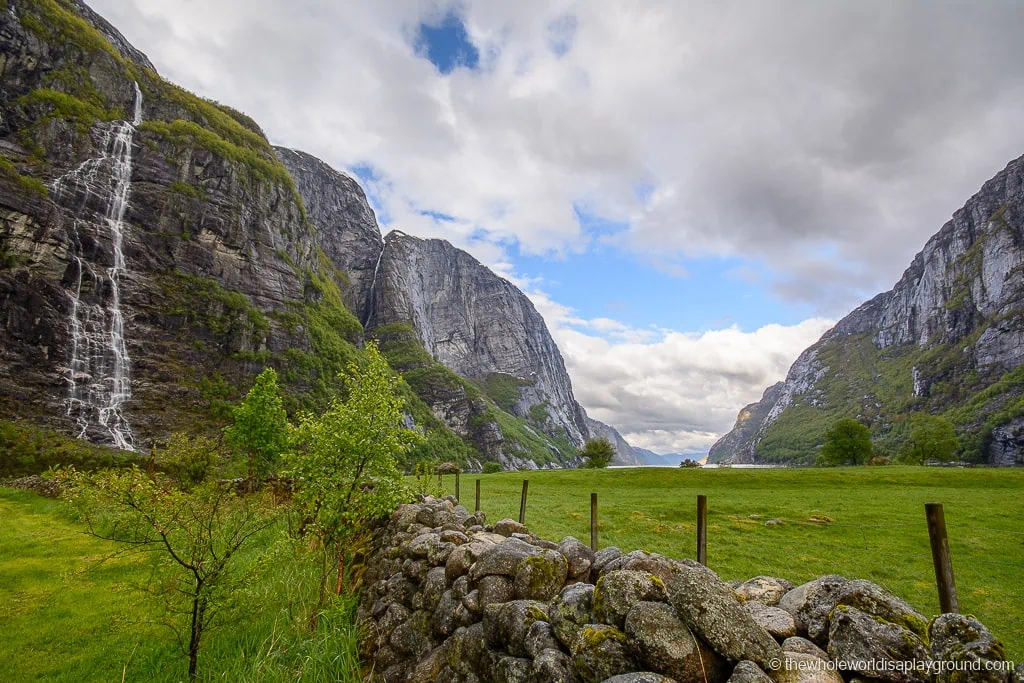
(948, 339)
(449, 598)
(147, 237)
(346, 229)
(156, 251)
(477, 324)
(738, 445)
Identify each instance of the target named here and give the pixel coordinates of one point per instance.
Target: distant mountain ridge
(662, 459)
(948, 340)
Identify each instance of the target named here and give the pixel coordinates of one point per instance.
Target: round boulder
(748, 672)
(502, 558)
(617, 591)
(777, 622)
(795, 667)
(803, 646)
(858, 637)
(494, 589)
(710, 609)
(601, 652)
(570, 611)
(872, 599)
(552, 666)
(507, 527)
(664, 644)
(965, 642)
(540, 577)
(767, 590)
(579, 556)
(811, 603)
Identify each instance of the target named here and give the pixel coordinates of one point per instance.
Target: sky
(691, 193)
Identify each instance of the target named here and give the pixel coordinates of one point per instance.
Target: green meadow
(70, 614)
(875, 525)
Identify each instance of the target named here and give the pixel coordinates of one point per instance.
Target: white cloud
(821, 141)
(666, 390)
(764, 130)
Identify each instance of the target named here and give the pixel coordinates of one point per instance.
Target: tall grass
(71, 612)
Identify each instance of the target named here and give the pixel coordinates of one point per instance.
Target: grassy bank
(69, 614)
(878, 530)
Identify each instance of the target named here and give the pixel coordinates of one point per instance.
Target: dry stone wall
(450, 598)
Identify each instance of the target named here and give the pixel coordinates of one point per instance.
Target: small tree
(847, 442)
(597, 453)
(931, 438)
(194, 534)
(345, 461)
(260, 431)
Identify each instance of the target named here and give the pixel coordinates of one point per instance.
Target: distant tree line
(848, 442)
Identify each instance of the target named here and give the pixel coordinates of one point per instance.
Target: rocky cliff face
(624, 453)
(948, 339)
(156, 252)
(477, 324)
(346, 227)
(738, 445)
(146, 236)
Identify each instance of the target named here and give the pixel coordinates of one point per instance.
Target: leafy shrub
(597, 453)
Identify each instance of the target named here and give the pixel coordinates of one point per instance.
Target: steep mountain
(156, 252)
(350, 236)
(738, 445)
(948, 340)
(481, 327)
(150, 243)
(624, 453)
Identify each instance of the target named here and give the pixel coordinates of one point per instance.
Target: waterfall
(99, 373)
(373, 290)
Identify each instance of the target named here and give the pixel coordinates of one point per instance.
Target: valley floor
(71, 614)
(70, 617)
(878, 530)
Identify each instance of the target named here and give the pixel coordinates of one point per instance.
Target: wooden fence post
(593, 522)
(941, 558)
(457, 497)
(702, 530)
(522, 503)
(477, 496)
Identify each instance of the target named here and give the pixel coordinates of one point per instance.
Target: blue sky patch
(606, 283)
(446, 44)
(561, 34)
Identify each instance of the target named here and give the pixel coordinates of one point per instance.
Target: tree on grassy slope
(345, 462)
(847, 442)
(931, 438)
(597, 453)
(194, 533)
(260, 431)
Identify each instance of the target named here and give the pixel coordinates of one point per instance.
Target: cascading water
(99, 375)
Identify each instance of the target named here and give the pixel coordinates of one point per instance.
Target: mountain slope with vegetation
(156, 252)
(947, 341)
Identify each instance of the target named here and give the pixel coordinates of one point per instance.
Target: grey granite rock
(710, 609)
(964, 289)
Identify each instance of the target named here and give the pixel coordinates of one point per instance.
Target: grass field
(69, 615)
(879, 532)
